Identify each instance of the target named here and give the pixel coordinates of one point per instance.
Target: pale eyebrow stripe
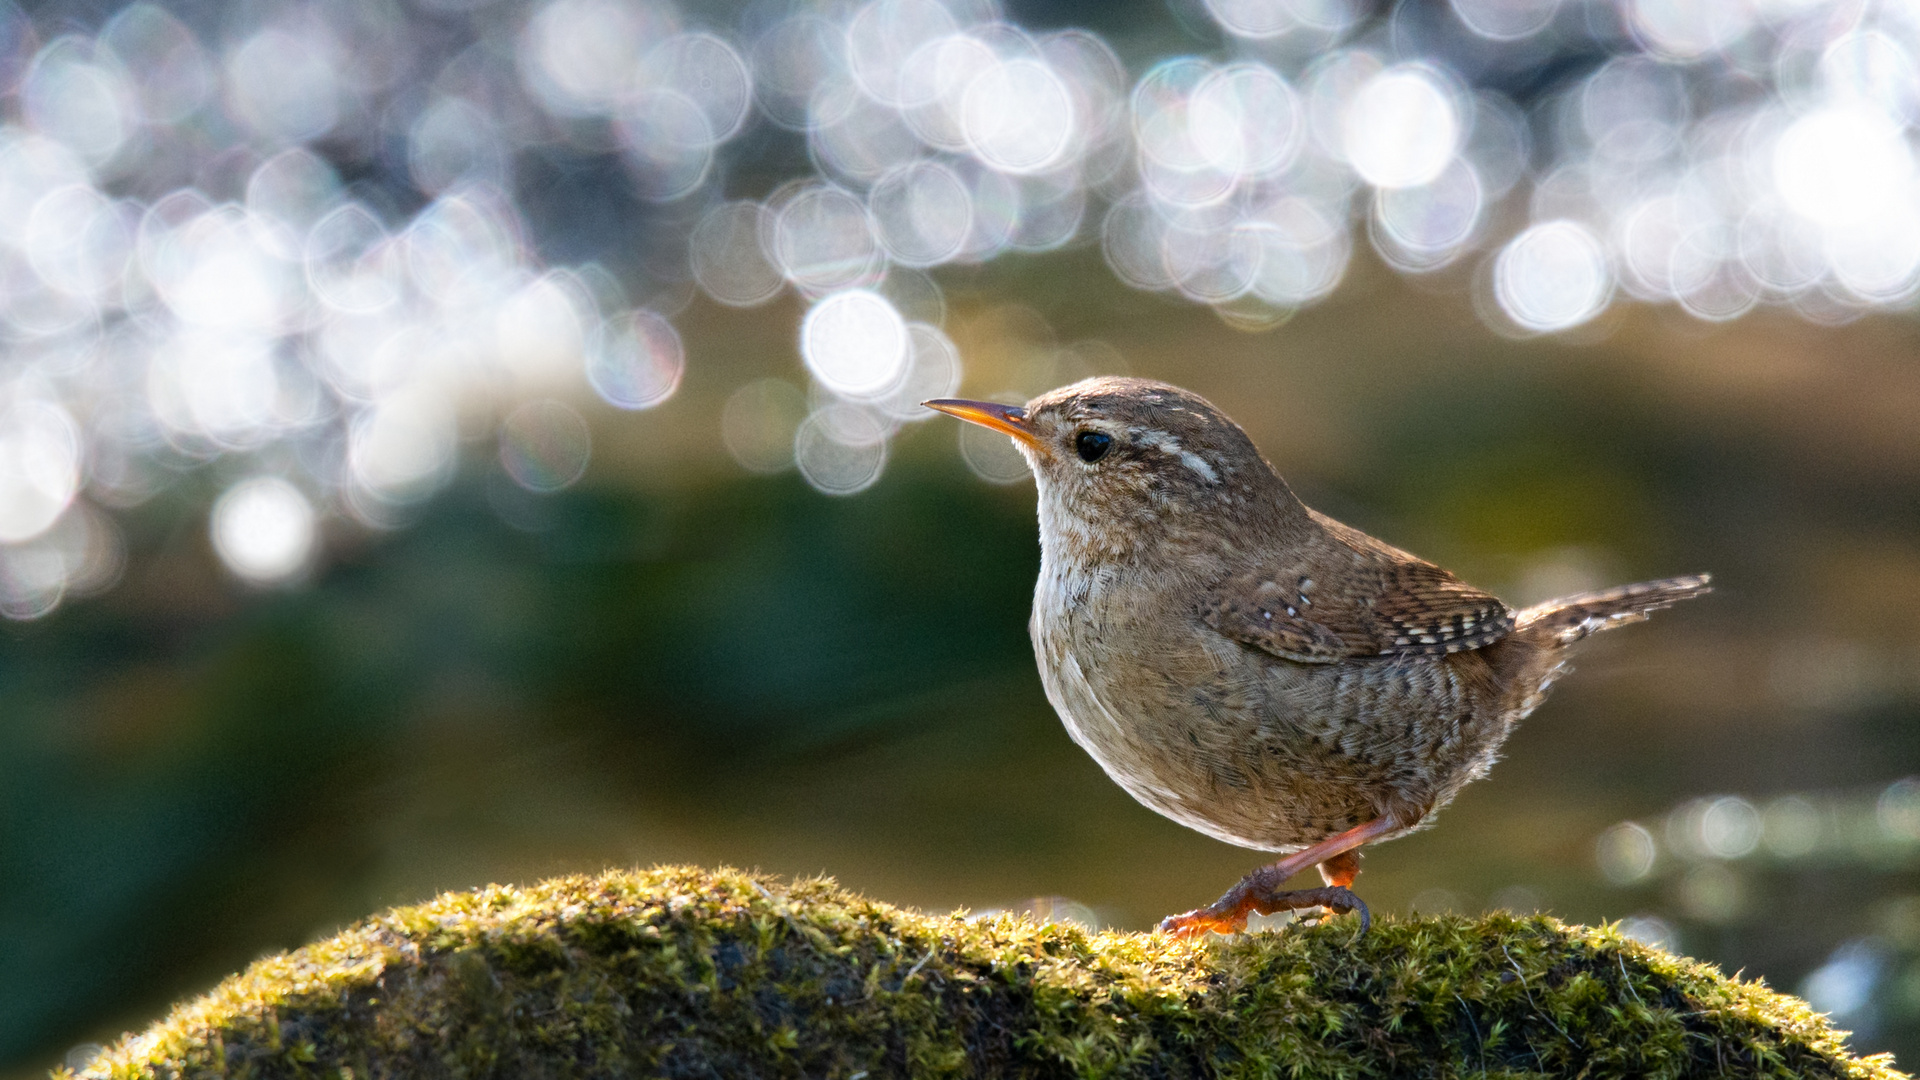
(1199, 464)
(1162, 441)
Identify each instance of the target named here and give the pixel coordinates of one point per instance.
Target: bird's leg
(1260, 892)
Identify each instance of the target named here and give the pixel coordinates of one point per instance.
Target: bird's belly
(1261, 752)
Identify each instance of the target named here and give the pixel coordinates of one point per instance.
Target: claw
(1340, 900)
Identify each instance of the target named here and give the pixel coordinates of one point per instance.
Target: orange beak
(1006, 419)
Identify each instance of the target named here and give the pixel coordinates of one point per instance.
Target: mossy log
(683, 972)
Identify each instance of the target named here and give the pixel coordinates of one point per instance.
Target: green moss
(683, 972)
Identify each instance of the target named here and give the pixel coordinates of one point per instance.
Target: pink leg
(1261, 890)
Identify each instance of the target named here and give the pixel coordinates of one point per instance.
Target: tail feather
(1570, 618)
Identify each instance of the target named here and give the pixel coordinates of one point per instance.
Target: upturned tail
(1535, 654)
(1566, 620)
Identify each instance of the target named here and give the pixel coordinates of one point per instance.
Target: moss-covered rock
(683, 972)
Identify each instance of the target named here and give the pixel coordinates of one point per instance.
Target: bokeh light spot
(1400, 129)
(351, 265)
(264, 530)
(758, 425)
(1552, 277)
(1844, 986)
(841, 449)
(1625, 853)
(855, 343)
(72, 97)
(1424, 226)
(287, 196)
(453, 143)
(708, 72)
(540, 332)
(1792, 827)
(1505, 20)
(169, 68)
(922, 213)
(1652, 931)
(577, 56)
(544, 445)
(883, 35)
(1837, 166)
(213, 271)
(790, 60)
(1018, 116)
(285, 85)
(1303, 252)
(1255, 19)
(39, 468)
(402, 449)
(79, 242)
(635, 361)
(727, 259)
(1684, 29)
(823, 240)
(1729, 827)
(933, 371)
(1246, 120)
(668, 142)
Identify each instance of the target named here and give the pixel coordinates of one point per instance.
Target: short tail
(1570, 618)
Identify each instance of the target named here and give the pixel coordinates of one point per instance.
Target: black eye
(1092, 445)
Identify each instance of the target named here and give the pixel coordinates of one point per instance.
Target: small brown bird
(1252, 668)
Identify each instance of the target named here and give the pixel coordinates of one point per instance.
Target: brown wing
(1422, 609)
(1369, 600)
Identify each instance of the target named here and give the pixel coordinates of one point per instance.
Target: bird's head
(1128, 467)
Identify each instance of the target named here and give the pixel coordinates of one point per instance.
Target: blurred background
(446, 442)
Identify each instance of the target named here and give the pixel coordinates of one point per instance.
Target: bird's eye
(1092, 445)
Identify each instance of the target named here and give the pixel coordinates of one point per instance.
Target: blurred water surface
(444, 443)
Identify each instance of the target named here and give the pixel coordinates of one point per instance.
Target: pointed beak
(1006, 419)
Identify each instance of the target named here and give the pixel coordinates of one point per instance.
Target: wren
(1252, 668)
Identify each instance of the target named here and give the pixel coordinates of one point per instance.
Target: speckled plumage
(1252, 668)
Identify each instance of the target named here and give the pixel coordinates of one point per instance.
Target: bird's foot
(1228, 915)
